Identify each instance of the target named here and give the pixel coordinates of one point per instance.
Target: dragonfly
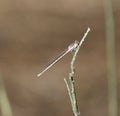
(70, 48)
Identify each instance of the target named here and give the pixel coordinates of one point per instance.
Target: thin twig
(71, 85)
(4, 100)
(111, 58)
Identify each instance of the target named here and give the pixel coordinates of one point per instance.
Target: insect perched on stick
(70, 48)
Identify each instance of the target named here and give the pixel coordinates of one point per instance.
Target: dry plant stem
(71, 85)
(4, 101)
(111, 58)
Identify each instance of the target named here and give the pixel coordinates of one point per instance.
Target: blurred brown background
(33, 32)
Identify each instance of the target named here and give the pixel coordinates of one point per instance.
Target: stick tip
(88, 29)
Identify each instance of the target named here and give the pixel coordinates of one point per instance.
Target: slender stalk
(111, 58)
(71, 84)
(4, 102)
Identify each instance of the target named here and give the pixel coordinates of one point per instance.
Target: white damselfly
(70, 48)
